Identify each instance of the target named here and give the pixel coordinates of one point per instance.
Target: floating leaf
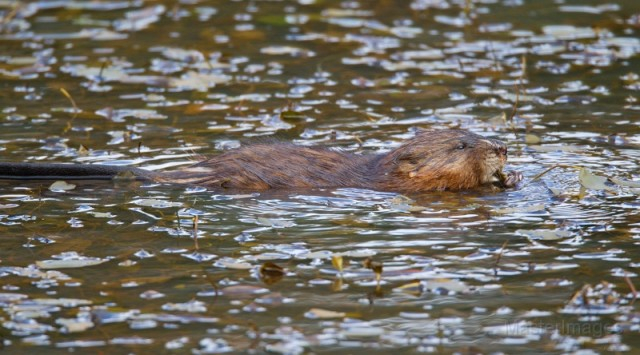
(72, 325)
(150, 202)
(362, 332)
(243, 290)
(61, 186)
(522, 209)
(569, 32)
(190, 306)
(193, 80)
(231, 263)
(336, 261)
(545, 234)
(592, 181)
(437, 285)
(71, 263)
(628, 183)
(532, 139)
(293, 51)
(275, 223)
(318, 313)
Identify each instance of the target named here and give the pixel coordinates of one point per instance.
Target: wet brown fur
(432, 160)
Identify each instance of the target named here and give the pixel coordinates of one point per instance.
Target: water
(100, 266)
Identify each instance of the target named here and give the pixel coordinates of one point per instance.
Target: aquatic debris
(213, 346)
(292, 51)
(439, 286)
(120, 115)
(193, 80)
(141, 19)
(271, 273)
(243, 290)
(61, 186)
(231, 263)
(76, 325)
(156, 203)
(199, 256)
(545, 234)
(191, 307)
(317, 313)
(70, 260)
(598, 299)
(594, 182)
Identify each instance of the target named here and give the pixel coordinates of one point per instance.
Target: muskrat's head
(442, 160)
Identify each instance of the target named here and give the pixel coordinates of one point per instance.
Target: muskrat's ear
(407, 158)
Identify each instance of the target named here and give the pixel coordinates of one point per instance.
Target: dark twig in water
(376, 267)
(546, 171)
(494, 57)
(9, 16)
(516, 103)
(468, 7)
(75, 108)
(460, 66)
(99, 78)
(214, 284)
(633, 288)
(360, 142)
(514, 110)
(504, 245)
(195, 232)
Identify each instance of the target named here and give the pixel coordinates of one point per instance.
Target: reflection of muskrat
(432, 160)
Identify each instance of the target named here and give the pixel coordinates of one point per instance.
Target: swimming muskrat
(432, 160)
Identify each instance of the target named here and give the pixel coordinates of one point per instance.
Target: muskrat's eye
(461, 145)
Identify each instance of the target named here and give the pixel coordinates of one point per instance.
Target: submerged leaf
(592, 181)
(545, 234)
(61, 186)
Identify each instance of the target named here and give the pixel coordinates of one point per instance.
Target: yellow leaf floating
(318, 313)
(337, 262)
(413, 288)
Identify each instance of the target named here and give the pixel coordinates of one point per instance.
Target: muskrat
(432, 160)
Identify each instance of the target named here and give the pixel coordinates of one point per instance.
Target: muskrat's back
(275, 165)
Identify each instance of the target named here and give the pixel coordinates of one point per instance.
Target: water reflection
(549, 266)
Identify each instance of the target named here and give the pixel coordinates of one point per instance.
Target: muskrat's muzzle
(504, 180)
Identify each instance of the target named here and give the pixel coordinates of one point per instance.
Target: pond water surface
(550, 266)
